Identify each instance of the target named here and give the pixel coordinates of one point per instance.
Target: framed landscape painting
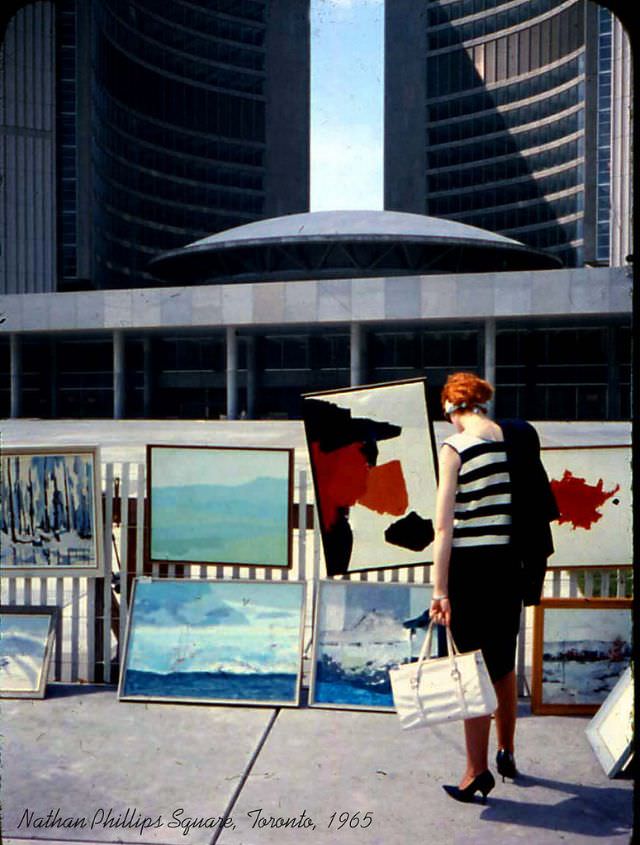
(26, 643)
(592, 486)
(220, 505)
(610, 732)
(206, 641)
(50, 522)
(581, 647)
(358, 637)
(373, 461)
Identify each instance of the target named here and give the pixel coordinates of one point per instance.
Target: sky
(347, 56)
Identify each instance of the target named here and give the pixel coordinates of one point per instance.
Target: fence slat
(59, 629)
(302, 525)
(124, 558)
(140, 494)
(108, 522)
(75, 628)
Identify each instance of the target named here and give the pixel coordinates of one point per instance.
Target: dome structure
(342, 244)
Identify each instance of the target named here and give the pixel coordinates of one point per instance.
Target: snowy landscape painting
(26, 640)
(48, 518)
(220, 505)
(359, 636)
(581, 648)
(214, 642)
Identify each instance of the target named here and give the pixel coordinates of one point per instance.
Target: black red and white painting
(374, 469)
(592, 486)
(49, 521)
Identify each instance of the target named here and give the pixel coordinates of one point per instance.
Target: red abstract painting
(579, 502)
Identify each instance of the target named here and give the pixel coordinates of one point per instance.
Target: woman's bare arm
(445, 504)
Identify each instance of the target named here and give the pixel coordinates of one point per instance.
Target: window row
(482, 99)
(505, 144)
(146, 133)
(201, 109)
(488, 23)
(506, 57)
(496, 121)
(513, 167)
(506, 193)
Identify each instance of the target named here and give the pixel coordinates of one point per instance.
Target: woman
(478, 562)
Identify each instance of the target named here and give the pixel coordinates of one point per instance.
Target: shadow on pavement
(587, 810)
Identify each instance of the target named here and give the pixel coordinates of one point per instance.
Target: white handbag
(442, 689)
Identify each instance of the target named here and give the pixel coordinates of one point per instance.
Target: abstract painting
(359, 636)
(592, 486)
(580, 649)
(374, 470)
(211, 641)
(26, 641)
(49, 521)
(610, 732)
(220, 505)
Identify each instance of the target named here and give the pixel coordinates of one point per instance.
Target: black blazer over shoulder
(533, 505)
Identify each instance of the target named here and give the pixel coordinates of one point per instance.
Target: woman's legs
(507, 693)
(476, 734)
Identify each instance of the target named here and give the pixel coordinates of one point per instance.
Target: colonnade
(358, 368)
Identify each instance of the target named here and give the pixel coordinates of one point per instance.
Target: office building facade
(505, 115)
(143, 126)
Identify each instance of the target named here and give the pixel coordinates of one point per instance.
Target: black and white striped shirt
(482, 515)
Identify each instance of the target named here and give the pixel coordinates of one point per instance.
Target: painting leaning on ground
(48, 510)
(214, 641)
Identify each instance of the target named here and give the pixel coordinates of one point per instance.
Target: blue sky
(347, 57)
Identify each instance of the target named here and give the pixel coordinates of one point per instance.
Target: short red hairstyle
(468, 388)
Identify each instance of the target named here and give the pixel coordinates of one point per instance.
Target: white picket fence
(92, 616)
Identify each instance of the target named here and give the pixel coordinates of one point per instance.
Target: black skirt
(485, 593)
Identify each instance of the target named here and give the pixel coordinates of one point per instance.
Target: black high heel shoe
(483, 783)
(506, 764)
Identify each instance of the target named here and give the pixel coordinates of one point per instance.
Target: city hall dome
(342, 244)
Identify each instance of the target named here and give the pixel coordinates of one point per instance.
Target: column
(118, 374)
(232, 373)
(15, 352)
(251, 377)
(490, 353)
(358, 362)
(147, 376)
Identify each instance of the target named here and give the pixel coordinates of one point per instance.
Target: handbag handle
(425, 655)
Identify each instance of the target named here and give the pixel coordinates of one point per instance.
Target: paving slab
(83, 756)
(335, 767)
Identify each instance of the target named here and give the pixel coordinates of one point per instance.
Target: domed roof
(335, 244)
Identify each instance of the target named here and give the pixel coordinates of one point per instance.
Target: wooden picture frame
(51, 517)
(580, 648)
(374, 467)
(610, 732)
(234, 505)
(593, 489)
(358, 636)
(214, 641)
(26, 645)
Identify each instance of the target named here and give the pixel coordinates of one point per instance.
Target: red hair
(468, 388)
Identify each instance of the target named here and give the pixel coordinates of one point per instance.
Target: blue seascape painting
(214, 641)
(214, 505)
(359, 637)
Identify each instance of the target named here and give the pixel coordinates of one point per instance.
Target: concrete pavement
(80, 766)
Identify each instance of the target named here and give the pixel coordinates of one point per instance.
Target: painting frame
(91, 456)
(324, 585)
(601, 729)
(565, 556)
(287, 454)
(539, 705)
(429, 473)
(51, 613)
(221, 584)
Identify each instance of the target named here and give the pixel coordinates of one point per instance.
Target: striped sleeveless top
(482, 515)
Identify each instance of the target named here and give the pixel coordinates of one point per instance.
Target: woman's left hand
(440, 611)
